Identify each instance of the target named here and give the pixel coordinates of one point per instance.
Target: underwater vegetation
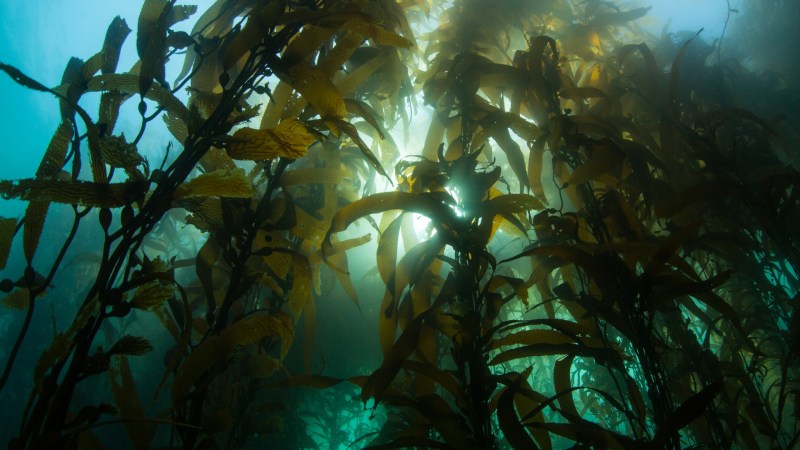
(409, 224)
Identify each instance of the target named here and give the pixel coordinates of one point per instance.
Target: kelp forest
(463, 224)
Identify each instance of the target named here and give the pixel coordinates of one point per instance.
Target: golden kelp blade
(377, 33)
(74, 192)
(216, 158)
(315, 87)
(56, 153)
(290, 139)
(219, 183)
(301, 285)
(261, 20)
(419, 203)
(127, 83)
(151, 295)
(49, 168)
(117, 152)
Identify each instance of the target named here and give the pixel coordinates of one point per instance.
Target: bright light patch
(457, 206)
(422, 225)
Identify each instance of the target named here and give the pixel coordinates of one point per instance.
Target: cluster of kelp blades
(651, 303)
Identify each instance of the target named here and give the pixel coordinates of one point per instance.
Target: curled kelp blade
(428, 205)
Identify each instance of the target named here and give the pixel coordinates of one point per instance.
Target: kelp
(610, 258)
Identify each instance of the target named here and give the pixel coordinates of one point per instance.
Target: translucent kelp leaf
(363, 110)
(260, 22)
(151, 295)
(359, 76)
(116, 34)
(117, 152)
(563, 384)
(424, 204)
(532, 337)
(535, 166)
(131, 345)
(513, 154)
(373, 160)
(60, 347)
(338, 262)
(511, 203)
(220, 347)
(176, 127)
(128, 83)
(18, 299)
(377, 33)
(604, 158)
(7, 229)
(290, 139)
(151, 42)
(35, 215)
(689, 410)
(130, 407)
(307, 41)
(273, 112)
(74, 192)
(509, 422)
(219, 183)
(36, 212)
(98, 168)
(54, 156)
(301, 285)
(312, 175)
(345, 46)
(318, 89)
(216, 158)
(386, 256)
(206, 213)
(377, 383)
(110, 104)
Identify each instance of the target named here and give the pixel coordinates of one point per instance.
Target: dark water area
(471, 224)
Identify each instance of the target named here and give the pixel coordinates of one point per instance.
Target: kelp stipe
(610, 259)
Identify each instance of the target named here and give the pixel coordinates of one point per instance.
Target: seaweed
(608, 255)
